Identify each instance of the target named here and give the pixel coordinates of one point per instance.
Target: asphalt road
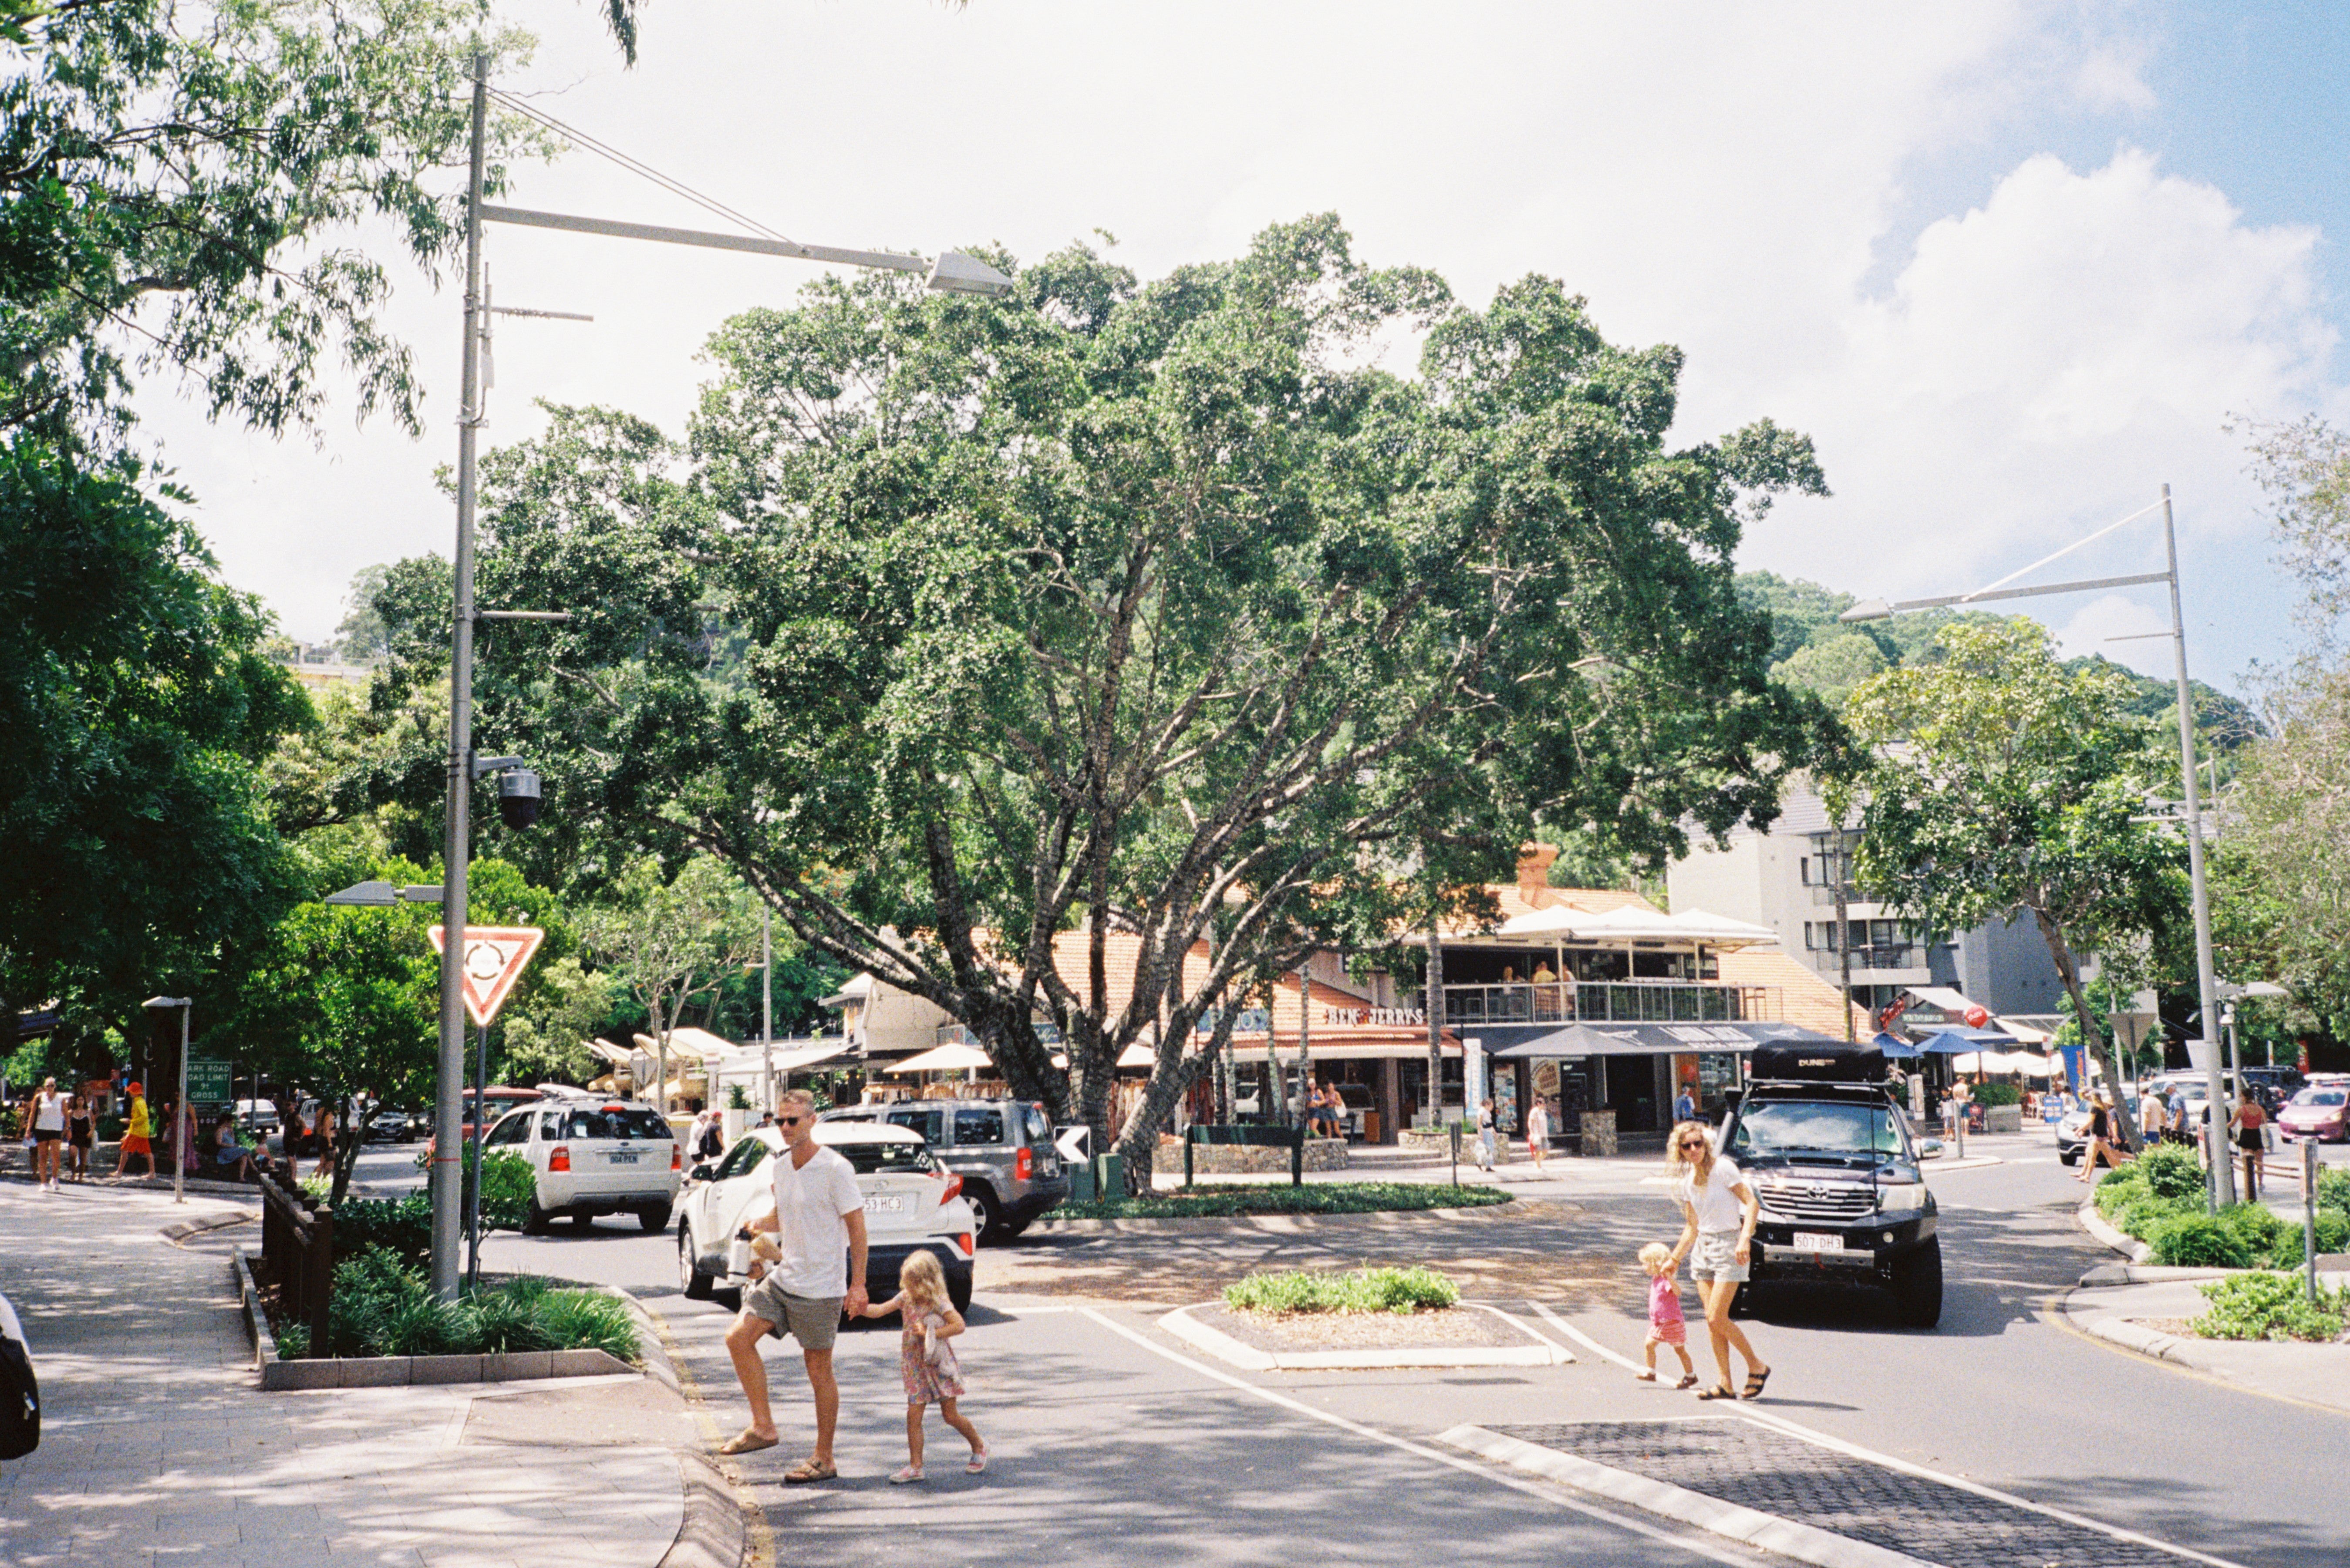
(1102, 1423)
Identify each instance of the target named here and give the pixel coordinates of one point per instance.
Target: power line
(639, 168)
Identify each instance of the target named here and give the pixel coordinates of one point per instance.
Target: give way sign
(495, 959)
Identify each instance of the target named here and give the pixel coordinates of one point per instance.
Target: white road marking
(1584, 1339)
(1420, 1450)
(1795, 1429)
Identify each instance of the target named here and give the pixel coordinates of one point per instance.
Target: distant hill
(1811, 649)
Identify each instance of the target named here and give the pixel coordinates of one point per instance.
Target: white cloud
(2093, 628)
(1716, 176)
(2109, 79)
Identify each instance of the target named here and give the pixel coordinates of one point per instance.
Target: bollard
(2309, 1213)
(1456, 1154)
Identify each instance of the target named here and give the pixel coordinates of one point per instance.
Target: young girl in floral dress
(926, 1361)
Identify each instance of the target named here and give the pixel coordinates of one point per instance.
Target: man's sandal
(809, 1470)
(748, 1443)
(1754, 1381)
(1719, 1391)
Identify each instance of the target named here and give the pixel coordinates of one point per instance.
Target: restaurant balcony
(1602, 1001)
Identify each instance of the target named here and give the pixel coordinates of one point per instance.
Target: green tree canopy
(1997, 781)
(1004, 643)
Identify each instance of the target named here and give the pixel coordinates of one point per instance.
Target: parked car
(2320, 1111)
(911, 1205)
(1003, 1149)
(258, 1118)
(20, 1390)
(593, 1157)
(497, 1099)
(1832, 1161)
(390, 1126)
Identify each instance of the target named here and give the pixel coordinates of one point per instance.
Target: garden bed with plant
(2270, 1306)
(383, 1306)
(2158, 1199)
(1381, 1308)
(1319, 1198)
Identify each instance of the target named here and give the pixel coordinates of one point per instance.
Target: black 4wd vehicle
(1831, 1159)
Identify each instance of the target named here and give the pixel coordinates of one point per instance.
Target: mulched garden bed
(1450, 1328)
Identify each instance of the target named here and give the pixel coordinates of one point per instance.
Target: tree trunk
(2091, 1037)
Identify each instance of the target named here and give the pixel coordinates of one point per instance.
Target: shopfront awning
(1658, 1039)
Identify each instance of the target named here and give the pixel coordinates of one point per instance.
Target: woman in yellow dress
(138, 1135)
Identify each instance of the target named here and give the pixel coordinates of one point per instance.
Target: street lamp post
(2223, 1184)
(952, 272)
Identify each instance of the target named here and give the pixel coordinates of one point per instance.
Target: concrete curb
(312, 1373)
(1766, 1530)
(721, 1522)
(1538, 1352)
(2092, 1221)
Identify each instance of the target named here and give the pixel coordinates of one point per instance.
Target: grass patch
(2270, 1306)
(1400, 1291)
(382, 1305)
(1322, 1197)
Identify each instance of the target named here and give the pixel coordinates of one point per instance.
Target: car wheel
(959, 1291)
(1917, 1286)
(652, 1219)
(585, 1221)
(1741, 1301)
(1011, 1230)
(692, 1281)
(534, 1220)
(2068, 1157)
(985, 1213)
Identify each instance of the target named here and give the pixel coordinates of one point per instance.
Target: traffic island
(1303, 1319)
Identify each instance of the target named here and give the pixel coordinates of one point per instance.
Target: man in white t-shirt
(819, 1222)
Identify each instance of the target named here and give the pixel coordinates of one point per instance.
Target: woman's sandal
(1719, 1391)
(977, 1462)
(1688, 1380)
(807, 1471)
(1754, 1381)
(900, 1476)
(1646, 1375)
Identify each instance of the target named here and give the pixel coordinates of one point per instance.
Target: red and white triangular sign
(495, 959)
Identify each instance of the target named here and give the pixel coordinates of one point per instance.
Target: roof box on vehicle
(1819, 1062)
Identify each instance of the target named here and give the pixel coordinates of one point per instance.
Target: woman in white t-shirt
(1718, 1214)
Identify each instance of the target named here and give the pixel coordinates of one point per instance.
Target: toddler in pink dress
(1665, 1325)
(926, 1361)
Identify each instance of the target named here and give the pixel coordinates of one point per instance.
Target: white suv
(593, 1157)
(911, 1205)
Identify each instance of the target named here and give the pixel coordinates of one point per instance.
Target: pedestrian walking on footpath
(1537, 1131)
(2154, 1120)
(2251, 1142)
(82, 1136)
(926, 1361)
(1666, 1323)
(1718, 1214)
(1486, 1136)
(2104, 1139)
(138, 1134)
(324, 1130)
(49, 1134)
(819, 1223)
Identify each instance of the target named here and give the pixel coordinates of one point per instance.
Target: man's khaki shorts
(814, 1321)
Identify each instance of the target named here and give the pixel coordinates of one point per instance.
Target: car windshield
(867, 1158)
(2321, 1097)
(1792, 1127)
(598, 1122)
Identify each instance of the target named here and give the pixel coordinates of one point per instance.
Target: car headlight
(1900, 1196)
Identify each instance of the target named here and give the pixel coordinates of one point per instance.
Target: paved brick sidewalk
(159, 1447)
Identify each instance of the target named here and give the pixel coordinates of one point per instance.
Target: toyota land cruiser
(1832, 1164)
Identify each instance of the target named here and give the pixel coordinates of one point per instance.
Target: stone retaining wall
(1250, 1159)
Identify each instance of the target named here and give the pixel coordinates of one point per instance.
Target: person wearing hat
(137, 1134)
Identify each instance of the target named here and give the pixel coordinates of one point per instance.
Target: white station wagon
(593, 1157)
(910, 1205)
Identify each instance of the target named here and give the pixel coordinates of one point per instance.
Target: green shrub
(2198, 1241)
(1401, 1291)
(2334, 1187)
(508, 1184)
(400, 1226)
(2255, 1225)
(2172, 1170)
(382, 1306)
(2286, 1248)
(1997, 1095)
(588, 1320)
(1315, 1198)
(493, 1321)
(2270, 1306)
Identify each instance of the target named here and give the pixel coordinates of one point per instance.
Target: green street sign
(208, 1081)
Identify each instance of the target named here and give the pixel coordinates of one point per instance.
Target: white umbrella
(951, 1057)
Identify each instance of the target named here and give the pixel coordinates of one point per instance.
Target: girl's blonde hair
(923, 1281)
(1655, 1252)
(1696, 1170)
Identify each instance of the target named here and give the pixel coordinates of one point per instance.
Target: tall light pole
(2223, 1181)
(952, 272)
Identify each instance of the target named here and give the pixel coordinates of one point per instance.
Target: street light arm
(952, 272)
(1878, 610)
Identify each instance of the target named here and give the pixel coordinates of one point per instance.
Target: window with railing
(1599, 1001)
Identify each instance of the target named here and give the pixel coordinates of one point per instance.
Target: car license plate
(1815, 1242)
(624, 1156)
(884, 1203)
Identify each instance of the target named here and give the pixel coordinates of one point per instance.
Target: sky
(2013, 268)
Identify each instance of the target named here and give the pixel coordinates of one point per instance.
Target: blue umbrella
(1896, 1048)
(1949, 1043)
